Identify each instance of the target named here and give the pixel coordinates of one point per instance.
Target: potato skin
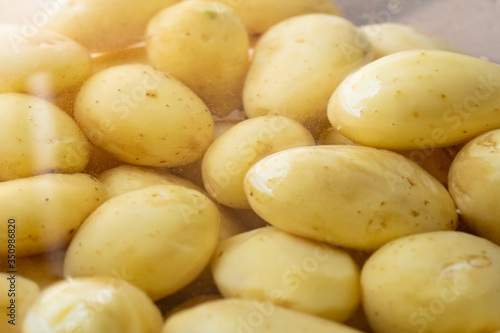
(60, 64)
(352, 196)
(47, 210)
(298, 63)
(205, 46)
(144, 117)
(37, 137)
(443, 282)
(166, 231)
(418, 99)
(474, 184)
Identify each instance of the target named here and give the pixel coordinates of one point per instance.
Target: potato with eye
(205, 46)
(442, 281)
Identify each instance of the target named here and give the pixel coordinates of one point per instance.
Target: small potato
(41, 213)
(144, 117)
(353, 196)
(205, 46)
(17, 294)
(104, 25)
(298, 63)
(40, 62)
(238, 315)
(162, 236)
(37, 137)
(91, 305)
(474, 184)
(260, 15)
(270, 265)
(418, 99)
(388, 38)
(228, 159)
(444, 282)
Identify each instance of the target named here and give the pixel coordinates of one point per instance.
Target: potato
(130, 55)
(228, 159)
(205, 46)
(144, 117)
(91, 305)
(17, 294)
(474, 182)
(388, 38)
(166, 231)
(242, 316)
(298, 63)
(259, 15)
(41, 213)
(38, 137)
(40, 62)
(104, 25)
(443, 282)
(353, 196)
(270, 265)
(418, 99)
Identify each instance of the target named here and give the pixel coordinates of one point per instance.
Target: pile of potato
(244, 166)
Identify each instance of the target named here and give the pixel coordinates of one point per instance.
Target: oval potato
(205, 46)
(418, 99)
(40, 62)
(298, 63)
(46, 210)
(168, 231)
(353, 196)
(443, 282)
(144, 117)
(37, 137)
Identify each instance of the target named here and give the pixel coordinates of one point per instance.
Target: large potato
(38, 137)
(444, 282)
(259, 15)
(298, 63)
(40, 62)
(353, 196)
(144, 117)
(160, 236)
(388, 38)
(270, 265)
(91, 305)
(41, 213)
(205, 46)
(228, 159)
(474, 183)
(418, 99)
(104, 25)
(17, 294)
(242, 316)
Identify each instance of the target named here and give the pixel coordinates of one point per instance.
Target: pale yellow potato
(37, 137)
(104, 25)
(418, 99)
(40, 62)
(474, 184)
(205, 46)
(388, 38)
(260, 15)
(162, 236)
(242, 316)
(91, 305)
(17, 295)
(444, 282)
(270, 265)
(353, 196)
(41, 213)
(299, 62)
(144, 117)
(229, 158)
